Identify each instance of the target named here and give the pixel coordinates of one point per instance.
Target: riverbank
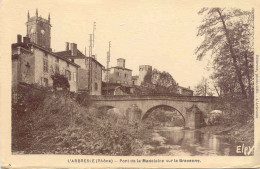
(243, 133)
(54, 123)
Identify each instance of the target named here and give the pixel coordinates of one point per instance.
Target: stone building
(135, 80)
(120, 74)
(34, 64)
(39, 30)
(116, 89)
(184, 91)
(90, 71)
(119, 79)
(143, 71)
(33, 61)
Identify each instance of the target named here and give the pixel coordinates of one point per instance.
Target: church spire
(36, 12)
(28, 16)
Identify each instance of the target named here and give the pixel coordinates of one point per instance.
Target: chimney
(19, 38)
(73, 49)
(26, 40)
(67, 46)
(121, 62)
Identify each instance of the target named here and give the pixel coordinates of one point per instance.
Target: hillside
(56, 124)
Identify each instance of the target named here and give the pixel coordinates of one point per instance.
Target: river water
(177, 141)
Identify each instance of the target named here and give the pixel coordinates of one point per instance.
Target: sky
(160, 33)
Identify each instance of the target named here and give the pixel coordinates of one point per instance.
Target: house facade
(118, 81)
(120, 74)
(89, 72)
(33, 64)
(33, 61)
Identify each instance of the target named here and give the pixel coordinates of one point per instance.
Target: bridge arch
(149, 111)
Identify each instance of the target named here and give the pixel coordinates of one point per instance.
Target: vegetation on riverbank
(228, 36)
(53, 123)
(236, 132)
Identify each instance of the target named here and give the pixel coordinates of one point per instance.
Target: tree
(228, 35)
(60, 81)
(203, 88)
(162, 82)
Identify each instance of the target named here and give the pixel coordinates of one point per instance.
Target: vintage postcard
(129, 84)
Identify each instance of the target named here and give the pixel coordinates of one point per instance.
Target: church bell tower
(39, 30)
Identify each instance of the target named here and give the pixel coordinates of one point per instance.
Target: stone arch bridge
(192, 108)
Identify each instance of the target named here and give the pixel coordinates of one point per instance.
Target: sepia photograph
(130, 79)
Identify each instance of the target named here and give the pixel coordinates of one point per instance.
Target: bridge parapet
(155, 97)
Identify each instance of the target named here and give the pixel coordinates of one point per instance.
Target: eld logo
(246, 150)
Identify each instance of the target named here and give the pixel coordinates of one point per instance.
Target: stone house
(120, 74)
(184, 91)
(119, 79)
(33, 61)
(34, 64)
(89, 72)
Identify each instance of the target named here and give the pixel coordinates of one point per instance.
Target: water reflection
(192, 142)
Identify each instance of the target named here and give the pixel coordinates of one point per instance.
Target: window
(46, 54)
(57, 69)
(68, 65)
(68, 74)
(125, 75)
(96, 86)
(45, 65)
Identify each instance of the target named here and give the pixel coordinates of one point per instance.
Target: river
(178, 141)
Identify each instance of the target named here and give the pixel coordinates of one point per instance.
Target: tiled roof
(184, 88)
(118, 67)
(52, 53)
(96, 61)
(67, 54)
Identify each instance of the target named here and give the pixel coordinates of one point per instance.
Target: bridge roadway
(192, 108)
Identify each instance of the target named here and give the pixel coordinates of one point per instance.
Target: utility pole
(108, 60)
(90, 45)
(205, 87)
(94, 28)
